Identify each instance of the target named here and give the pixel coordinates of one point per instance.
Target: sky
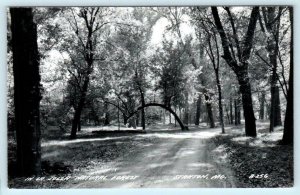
(160, 27)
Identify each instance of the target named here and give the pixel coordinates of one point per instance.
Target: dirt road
(187, 159)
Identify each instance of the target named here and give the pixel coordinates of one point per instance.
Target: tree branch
(235, 36)
(247, 43)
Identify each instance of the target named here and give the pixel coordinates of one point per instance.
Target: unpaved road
(186, 159)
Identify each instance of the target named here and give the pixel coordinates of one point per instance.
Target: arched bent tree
(182, 126)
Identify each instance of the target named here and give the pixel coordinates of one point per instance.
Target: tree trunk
(262, 106)
(275, 112)
(190, 116)
(88, 56)
(272, 25)
(107, 117)
(221, 108)
(236, 122)
(78, 109)
(220, 101)
(288, 133)
(132, 123)
(180, 113)
(231, 113)
(245, 90)
(277, 117)
(210, 116)
(143, 120)
(241, 68)
(137, 121)
(27, 94)
(186, 109)
(79, 126)
(125, 119)
(227, 115)
(118, 119)
(186, 117)
(176, 113)
(239, 112)
(198, 110)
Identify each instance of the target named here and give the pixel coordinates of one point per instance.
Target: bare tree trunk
(237, 111)
(277, 121)
(176, 113)
(262, 106)
(231, 113)
(138, 119)
(227, 115)
(125, 119)
(198, 110)
(220, 100)
(288, 133)
(210, 116)
(190, 116)
(164, 117)
(272, 23)
(106, 112)
(245, 90)
(79, 126)
(186, 109)
(143, 120)
(220, 106)
(78, 109)
(27, 94)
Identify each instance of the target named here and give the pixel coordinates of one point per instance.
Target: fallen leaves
(247, 159)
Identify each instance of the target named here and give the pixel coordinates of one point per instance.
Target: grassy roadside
(258, 162)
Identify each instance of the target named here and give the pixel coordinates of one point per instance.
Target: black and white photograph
(150, 97)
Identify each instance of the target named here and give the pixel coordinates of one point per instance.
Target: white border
(166, 191)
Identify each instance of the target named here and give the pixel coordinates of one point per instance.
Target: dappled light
(190, 135)
(142, 97)
(66, 142)
(200, 165)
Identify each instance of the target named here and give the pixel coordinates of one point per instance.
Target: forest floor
(163, 157)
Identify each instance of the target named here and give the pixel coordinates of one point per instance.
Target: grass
(259, 162)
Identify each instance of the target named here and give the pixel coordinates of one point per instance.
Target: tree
(272, 25)
(169, 70)
(209, 60)
(288, 134)
(175, 17)
(27, 93)
(239, 62)
(213, 53)
(216, 65)
(262, 105)
(86, 24)
(198, 110)
(133, 39)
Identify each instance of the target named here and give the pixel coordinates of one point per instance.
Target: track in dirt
(173, 160)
